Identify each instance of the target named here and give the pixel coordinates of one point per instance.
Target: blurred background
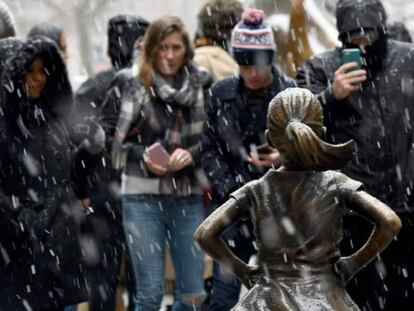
(85, 21)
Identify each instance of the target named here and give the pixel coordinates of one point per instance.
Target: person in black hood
(52, 32)
(42, 173)
(399, 32)
(123, 33)
(8, 46)
(372, 106)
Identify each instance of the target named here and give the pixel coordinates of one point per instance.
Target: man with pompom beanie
(236, 120)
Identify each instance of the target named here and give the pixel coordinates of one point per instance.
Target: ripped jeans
(150, 221)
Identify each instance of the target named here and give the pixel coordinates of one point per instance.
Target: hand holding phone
(348, 77)
(352, 56)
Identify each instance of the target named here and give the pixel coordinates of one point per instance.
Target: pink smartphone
(158, 155)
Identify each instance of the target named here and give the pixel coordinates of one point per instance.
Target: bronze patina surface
(297, 212)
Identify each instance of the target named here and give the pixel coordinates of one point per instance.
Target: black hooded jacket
(39, 217)
(379, 117)
(123, 32)
(8, 46)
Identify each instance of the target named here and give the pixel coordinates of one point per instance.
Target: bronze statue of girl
(297, 211)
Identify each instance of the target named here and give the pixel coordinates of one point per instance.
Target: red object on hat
(253, 16)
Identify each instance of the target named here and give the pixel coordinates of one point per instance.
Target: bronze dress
(297, 217)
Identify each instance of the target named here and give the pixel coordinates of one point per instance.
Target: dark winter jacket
(123, 33)
(399, 32)
(379, 117)
(40, 266)
(8, 46)
(229, 130)
(121, 85)
(92, 93)
(154, 120)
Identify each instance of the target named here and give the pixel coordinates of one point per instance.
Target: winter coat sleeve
(131, 118)
(9, 224)
(311, 75)
(88, 140)
(109, 111)
(8, 214)
(196, 149)
(91, 94)
(212, 159)
(16, 220)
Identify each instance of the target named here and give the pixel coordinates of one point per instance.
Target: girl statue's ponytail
(295, 124)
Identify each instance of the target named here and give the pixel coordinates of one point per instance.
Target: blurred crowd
(97, 183)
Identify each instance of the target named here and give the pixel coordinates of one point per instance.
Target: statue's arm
(387, 225)
(208, 237)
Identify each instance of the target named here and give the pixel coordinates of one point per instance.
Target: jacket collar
(233, 90)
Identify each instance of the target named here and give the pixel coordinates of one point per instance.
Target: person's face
(63, 46)
(170, 55)
(256, 77)
(35, 79)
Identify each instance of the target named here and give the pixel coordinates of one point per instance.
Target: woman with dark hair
(297, 211)
(40, 266)
(162, 194)
(52, 32)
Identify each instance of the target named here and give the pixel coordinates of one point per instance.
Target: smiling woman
(35, 79)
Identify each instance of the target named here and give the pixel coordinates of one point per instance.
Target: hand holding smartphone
(352, 55)
(349, 76)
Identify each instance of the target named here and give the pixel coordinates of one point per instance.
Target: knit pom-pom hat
(252, 40)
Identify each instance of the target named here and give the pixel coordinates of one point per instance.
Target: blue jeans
(150, 221)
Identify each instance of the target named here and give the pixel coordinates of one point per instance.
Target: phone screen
(352, 55)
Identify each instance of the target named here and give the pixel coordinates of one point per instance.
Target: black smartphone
(264, 149)
(352, 55)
